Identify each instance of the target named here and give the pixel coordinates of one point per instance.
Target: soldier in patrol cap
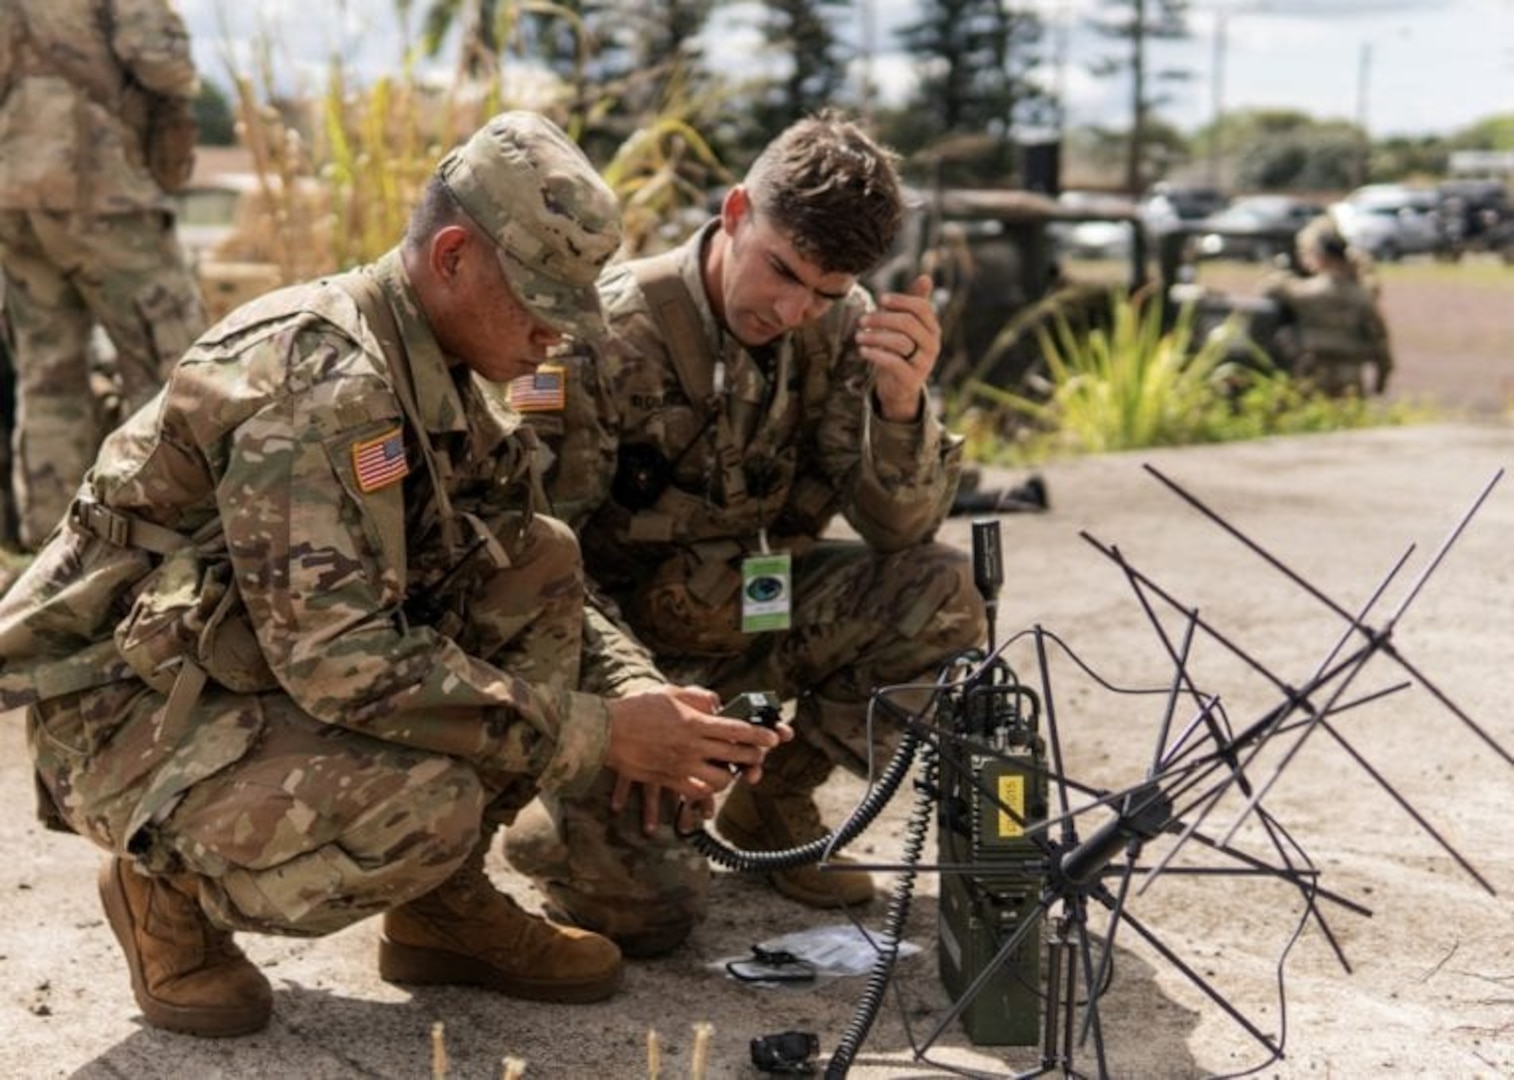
(753, 394)
(88, 89)
(351, 646)
(1332, 330)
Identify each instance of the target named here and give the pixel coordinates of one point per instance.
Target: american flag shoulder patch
(544, 390)
(380, 461)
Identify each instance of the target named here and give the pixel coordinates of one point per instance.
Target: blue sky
(1407, 67)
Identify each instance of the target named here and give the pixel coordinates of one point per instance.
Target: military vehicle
(1004, 273)
(1001, 273)
(1476, 215)
(1233, 309)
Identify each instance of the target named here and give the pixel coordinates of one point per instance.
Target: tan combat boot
(465, 932)
(187, 974)
(780, 813)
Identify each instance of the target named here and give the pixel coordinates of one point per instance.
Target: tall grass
(339, 171)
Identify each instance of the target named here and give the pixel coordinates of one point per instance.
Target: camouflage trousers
(297, 826)
(862, 620)
(67, 274)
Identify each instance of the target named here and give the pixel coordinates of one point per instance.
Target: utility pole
(869, 49)
(1363, 83)
(1217, 95)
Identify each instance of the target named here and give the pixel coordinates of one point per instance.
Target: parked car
(1389, 221)
(1168, 206)
(1255, 227)
(1094, 238)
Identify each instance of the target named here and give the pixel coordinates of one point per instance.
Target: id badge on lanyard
(766, 590)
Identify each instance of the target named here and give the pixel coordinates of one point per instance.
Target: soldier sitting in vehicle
(1332, 329)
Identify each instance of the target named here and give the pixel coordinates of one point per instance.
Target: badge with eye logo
(765, 589)
(765, 601)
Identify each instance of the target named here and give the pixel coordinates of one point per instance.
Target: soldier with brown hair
(306, 640)
(754, 393)
(95, 100)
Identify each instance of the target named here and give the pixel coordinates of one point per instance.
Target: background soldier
(351, 647)
(1332, 327)
(757, 392)
(95, 100)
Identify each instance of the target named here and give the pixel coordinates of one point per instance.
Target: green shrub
(1133, 384)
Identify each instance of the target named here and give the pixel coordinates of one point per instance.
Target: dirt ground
(1430, 982)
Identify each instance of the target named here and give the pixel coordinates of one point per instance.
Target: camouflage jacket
(668, 484)
(1335, 320)
(280, 445)
(77, 79)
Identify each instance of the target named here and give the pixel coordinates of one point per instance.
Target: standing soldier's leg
(8, 534)
(56, 426)
(133, 276)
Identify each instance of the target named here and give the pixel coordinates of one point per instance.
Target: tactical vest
(671, 555)
(783, 505)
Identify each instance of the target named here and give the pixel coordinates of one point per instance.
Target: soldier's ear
(444, 255)
(734, 208)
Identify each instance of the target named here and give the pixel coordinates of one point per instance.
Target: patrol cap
(554, 220)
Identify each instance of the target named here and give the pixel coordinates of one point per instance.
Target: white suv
(1389, 221)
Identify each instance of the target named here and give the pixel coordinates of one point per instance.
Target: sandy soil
(1431, 970)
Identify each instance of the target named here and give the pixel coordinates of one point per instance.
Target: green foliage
(1135, 384)
(1319, 157)
(213, 113)
(1129, 385)
(978, 62)
(813, 71)
(652, 173)
(339, 175)
(1490, 133)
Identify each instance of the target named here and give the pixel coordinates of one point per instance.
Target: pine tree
(1137, 23)
(978, 61)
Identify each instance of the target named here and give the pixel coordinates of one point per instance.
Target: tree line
(982, 89)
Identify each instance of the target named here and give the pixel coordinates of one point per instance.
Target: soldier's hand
(689, 815)
(902, 340)
(672, 739)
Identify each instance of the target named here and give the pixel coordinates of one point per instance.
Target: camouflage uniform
(86, 234)
(351, 739)
(1334, 331)
(792, 442)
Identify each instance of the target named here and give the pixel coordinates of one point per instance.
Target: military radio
(993, 793)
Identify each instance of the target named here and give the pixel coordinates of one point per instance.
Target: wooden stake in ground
(438, 1053)
(702, 1032)
(654, 1055)
(515, 1068)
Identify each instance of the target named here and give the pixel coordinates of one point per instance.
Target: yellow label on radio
(1012, 795)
